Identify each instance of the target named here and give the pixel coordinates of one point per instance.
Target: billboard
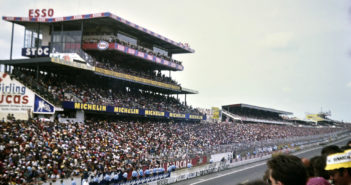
(130, 111)
(314, 117)
(43, 51)
(215, 113)
(42, 107)
(15, 98)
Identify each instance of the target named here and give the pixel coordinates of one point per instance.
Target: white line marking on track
(236, 171)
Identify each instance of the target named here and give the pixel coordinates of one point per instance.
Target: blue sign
(43, 51)
(123, 110)
(42, 107)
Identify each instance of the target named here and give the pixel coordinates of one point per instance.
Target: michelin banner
(123, 110)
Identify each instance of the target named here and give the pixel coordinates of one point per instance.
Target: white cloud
(286, 89)
(278, 41)
(348, 85)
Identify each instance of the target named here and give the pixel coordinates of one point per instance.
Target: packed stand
(152, 75)
(62, 88)
(32, 150)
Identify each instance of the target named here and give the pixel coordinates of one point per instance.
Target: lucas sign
(14, 96)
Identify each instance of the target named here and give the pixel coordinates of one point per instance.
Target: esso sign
(35, 13)
(103, 45)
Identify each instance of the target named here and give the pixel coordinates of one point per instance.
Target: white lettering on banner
(34, 51)
(162, 182)
(180, 178)
(191, 175)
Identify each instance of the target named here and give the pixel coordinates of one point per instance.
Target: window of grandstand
(31, 39)
(126, 38)
(160, 51)
(68, 43)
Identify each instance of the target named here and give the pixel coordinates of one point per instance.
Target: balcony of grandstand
(121, 39)
(147, 74)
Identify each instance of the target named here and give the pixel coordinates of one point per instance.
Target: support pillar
(7, 68)
(185, 100)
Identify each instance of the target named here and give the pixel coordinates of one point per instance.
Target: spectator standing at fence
(286, 170)
(141, 173)
(154, 171)
(125, 176)
(73, 182)
(147, 172)
(134, 174)
(115, 178)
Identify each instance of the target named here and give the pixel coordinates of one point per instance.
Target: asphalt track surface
(252, 171)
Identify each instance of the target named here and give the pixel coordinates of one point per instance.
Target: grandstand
(104, 109)
(254, 114)
(96, 64)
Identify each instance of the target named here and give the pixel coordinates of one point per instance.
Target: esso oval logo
(103, 45)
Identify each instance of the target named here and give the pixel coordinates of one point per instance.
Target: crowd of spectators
(32, 150)
(152, 75)
(64, 88)
(112, 38)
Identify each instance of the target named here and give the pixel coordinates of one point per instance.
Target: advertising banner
(15, 98)
(130, 111)
(42, 107)
(43, 51)
(215, 113)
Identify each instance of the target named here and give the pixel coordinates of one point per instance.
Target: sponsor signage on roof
(36, 13)
(43, 51)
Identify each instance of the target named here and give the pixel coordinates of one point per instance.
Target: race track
(249, 172)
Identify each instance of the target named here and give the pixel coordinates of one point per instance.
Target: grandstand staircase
(72, 97)
(230, 115)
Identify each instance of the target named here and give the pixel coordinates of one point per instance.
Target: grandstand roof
(189, 91)
(107, 18)
(241, 105)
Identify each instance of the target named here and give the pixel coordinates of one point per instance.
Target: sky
(290, 55)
